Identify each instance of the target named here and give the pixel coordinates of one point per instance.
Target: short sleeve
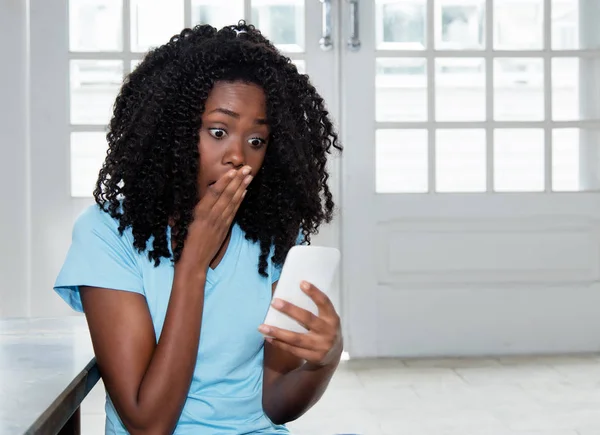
(98, 256)
(275, 273)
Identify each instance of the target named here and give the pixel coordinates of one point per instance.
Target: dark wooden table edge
(64, 412)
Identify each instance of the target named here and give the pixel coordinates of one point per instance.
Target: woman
(216, 163)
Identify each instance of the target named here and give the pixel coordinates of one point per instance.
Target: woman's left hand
(322, 345)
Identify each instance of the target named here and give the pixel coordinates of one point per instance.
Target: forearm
(292, 394)
(165, 385)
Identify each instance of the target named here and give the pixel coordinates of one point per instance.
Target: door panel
(455, 239)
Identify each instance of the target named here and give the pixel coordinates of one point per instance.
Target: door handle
(326, 42)
(354, 40)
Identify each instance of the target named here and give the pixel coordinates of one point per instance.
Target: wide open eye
(257, 142)
(217, 133)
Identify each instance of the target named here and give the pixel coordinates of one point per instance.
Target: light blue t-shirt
(225, 396)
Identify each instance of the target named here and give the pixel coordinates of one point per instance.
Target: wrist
(189, 263)
(195, 274)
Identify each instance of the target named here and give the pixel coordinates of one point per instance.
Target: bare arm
(292, 385)
(148, 382)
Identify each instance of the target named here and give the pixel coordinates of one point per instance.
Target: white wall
(14, 220)
(52, 208)
(37, 210)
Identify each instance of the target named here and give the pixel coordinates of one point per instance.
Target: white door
(80, 51)
(470, 218)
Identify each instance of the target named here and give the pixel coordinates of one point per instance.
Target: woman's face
(234, 131)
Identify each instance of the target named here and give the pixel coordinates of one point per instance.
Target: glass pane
(575, 24)
(518, 89)
(282, 21)
(565, 160)
(575, 159)
(94, 87)
(401, 89)
(565, 24)
(589, 88)
(460, 89)
(459, 25)
(88, 151)
(96, 25)
(400, 24)
(217, 13)
(565, 89)
(573, 78)
(518, 24)
(401, 161)
(154, 22)
(460, 161)
(519, 160)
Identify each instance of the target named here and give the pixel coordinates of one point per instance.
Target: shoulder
(95, 217)
(95, 223)
(99, 256)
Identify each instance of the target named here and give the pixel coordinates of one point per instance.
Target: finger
(215, 191)
(295, 339)
(226, 196)
(233, 176)
(322, 301)
(301, 353)
(302, 316)
(222, 183)
(231, 209)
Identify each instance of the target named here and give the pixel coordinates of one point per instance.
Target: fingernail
(248, 179)
(305, 285)
(278, 303)
(246, 170)
(264, 329)
(231, 173)
(244, 194)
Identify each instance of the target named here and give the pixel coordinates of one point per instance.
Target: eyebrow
(236, 115)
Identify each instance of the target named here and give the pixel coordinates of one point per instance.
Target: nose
(235, 156)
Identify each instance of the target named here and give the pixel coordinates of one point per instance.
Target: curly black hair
(149, 177)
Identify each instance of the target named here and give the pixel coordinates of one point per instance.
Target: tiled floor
(493, 396)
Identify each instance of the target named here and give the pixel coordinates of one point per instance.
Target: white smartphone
(314, 264)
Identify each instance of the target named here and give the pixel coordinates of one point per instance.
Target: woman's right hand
(213, 216)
